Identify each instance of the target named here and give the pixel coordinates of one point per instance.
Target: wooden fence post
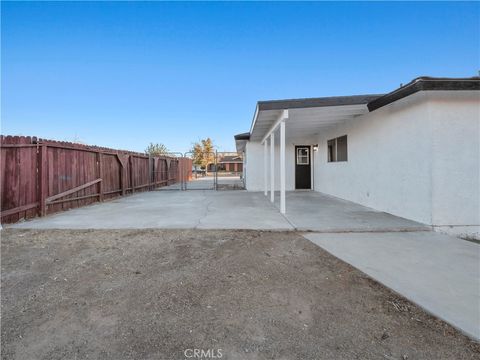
(42, 180)
(154, 173)
(100, 176)
(149, 180)
(132, 180)
(124, 179)
(123, 173)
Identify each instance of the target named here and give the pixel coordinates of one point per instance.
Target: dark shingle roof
(316, 102)
(373, 101)
(242, 136)
(425, 83)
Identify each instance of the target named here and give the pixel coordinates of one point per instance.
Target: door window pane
(303, 157)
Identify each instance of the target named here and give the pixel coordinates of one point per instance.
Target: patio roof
(303, 113)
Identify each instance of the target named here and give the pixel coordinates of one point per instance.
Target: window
(303, 156)
(332, 150)
(342, 148)
(337, 149)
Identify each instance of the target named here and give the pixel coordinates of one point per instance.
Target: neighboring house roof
(372, 102)
(425, 83)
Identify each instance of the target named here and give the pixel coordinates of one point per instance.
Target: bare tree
(156, 149)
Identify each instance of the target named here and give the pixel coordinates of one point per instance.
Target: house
(228, 162)
(413, 152)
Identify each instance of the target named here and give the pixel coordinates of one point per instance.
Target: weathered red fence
(40, 177)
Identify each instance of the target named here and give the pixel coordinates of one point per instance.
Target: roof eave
(315, 102)
(242, 136)
(424, 84)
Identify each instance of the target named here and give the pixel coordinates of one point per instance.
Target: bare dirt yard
(160, 294)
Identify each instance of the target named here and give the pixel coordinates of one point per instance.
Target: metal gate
(199, 171)
(202, 177)
(229, 171)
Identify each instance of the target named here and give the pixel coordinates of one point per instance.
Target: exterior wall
(418, 158)
(389, 160)
(456, 163)
(254, 168)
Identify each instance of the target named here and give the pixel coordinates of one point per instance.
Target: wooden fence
(40, 177)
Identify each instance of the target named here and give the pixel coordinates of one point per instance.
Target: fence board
(32, 170)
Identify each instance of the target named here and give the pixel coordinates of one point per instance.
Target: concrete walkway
(437, 272)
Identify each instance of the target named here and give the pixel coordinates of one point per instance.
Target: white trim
(308, 155)
(272, 167)
(265, 169)
(255, 115)
(282, 167)
(283, 116)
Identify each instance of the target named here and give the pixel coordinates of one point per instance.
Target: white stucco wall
(455, 122)
(254, 165)
(417, 158)
(389, 160)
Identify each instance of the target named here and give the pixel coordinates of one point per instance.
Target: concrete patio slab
(207, 209)
(314, 211)
(229, 209)
(437, 272)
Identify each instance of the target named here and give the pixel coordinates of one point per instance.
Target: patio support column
(272, 167)
(282, 167)
(265, 167)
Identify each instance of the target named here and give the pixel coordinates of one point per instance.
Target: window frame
(306, 157)
(332, 149)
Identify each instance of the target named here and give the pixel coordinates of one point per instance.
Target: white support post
(282, 117)
(272, 167)
(265, 167)
(282, 167)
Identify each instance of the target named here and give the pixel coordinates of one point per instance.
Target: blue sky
(123, 74)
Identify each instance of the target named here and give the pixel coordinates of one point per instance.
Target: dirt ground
(157, 294)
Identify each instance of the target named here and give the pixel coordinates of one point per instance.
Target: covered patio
(295, 125)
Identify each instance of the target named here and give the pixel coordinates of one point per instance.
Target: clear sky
(123, 74)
